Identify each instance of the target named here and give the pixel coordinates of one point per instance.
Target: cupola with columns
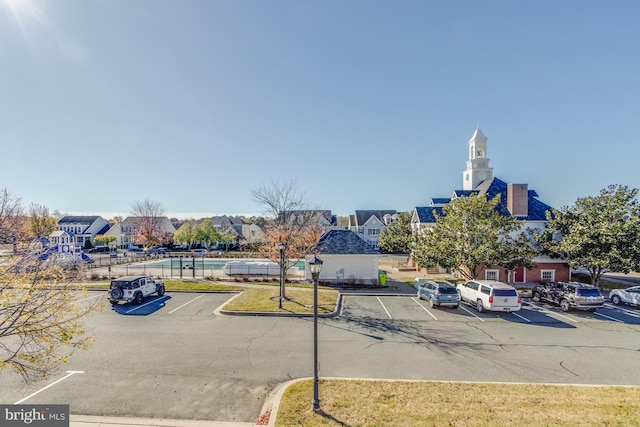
(478, 169)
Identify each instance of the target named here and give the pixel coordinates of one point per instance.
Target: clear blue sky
(364, 104)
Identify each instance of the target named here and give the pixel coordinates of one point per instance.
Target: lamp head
(315, 265)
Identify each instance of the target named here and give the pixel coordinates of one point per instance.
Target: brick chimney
(518, 199)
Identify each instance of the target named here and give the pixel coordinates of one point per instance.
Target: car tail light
(518, 299)
(437, 294)
(491, 298)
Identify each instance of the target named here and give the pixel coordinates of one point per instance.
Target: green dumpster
(382, 277)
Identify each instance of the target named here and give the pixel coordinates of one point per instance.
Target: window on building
(360, 230)
(548, 275)
(374, 232)
(492, 275)
(373, 243)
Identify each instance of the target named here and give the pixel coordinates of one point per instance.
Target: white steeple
(478, 169)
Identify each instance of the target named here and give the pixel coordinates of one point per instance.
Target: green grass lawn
(297, 300)
(429, 404)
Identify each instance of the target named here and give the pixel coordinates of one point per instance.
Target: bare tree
(116, 220)
(291, 230)
(12, 220)
(41, 315)
(147, 217)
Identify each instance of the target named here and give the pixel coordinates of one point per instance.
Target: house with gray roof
(83, 228)
(368, 224)
(515, 200)
(346, 259)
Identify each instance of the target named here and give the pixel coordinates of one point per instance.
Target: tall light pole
(315, 265)
(281, 248)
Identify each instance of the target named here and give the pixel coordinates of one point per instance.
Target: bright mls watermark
(34, 415)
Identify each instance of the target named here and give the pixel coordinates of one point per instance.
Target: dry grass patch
(298, 301)
(188, 285)
(429, 404)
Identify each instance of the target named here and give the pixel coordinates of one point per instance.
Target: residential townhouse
(368, 224)
(82, 229)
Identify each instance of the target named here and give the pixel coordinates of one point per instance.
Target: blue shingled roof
(440, 200)
(426, 213)
(536, 211)
(464, 193)
(491, 188)
(78, 219)
(343, 242)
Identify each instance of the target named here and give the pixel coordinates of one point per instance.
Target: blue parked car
(437, 293)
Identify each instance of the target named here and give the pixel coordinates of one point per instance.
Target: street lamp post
(315, 265)
(281, 248)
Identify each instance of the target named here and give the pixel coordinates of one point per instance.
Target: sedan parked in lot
(629, 296)
(438, 293)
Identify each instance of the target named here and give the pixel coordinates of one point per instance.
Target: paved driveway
(173, 358)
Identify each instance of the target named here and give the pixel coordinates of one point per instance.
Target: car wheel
(615, 299)
(139, 298)
(431, 304)
(535, 297)
(455, 306)
(161, 291)
(479, 306)
(564, 305)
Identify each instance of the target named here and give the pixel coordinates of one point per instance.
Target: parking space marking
(186, 303)
(545, 311)
(624, 310)
(144, 305)
(69, 373)
(471, 313)
(608, 317)
(559, 315)
(522, 317)
(424, 308)
(385, 308)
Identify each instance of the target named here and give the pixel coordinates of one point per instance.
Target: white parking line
(522, 317)
(69, 373)
(624, 310)
(471, 313)
(143, 305)
(424, 308)
(559, 315)
(186, 303)
(607, 317)
(385, 308)
(545, 311)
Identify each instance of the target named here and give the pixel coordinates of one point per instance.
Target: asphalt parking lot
(173, 357)
(413, 309)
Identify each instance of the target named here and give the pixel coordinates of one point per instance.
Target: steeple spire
(478, 168)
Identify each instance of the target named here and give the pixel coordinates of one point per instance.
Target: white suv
(490, 295)
(134, 288)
